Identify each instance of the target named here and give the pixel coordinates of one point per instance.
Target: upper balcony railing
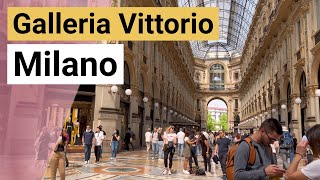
(213, 87)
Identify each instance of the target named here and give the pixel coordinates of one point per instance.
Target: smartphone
(281, 169)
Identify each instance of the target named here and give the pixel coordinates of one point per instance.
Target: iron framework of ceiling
(235, 18)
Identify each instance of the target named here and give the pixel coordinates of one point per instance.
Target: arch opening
(217, 115)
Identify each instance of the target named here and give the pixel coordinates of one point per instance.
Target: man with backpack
(251, 158)
(286, 147)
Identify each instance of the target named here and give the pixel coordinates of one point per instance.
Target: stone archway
(219, 111)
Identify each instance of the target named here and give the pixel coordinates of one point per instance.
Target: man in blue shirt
(87, 141)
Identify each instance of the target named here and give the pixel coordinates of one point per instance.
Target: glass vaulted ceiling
(235, 18)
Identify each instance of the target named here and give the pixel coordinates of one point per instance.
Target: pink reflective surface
(31, 115)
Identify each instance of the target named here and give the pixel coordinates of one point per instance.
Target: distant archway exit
(217, 115)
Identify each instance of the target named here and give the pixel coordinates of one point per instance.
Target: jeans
(166, 153)
(160, 152)
(207, 162)
(194, 156)
(97, 152)
(154, 148)
(180, 149)
(87, 151)
(291, 155)
(198, 149)
(114, 148)
(223, 159)
(285, 154)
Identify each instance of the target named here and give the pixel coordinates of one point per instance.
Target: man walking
(222, 147)
(87, 141)
(180, 137)
(98, 136)
(262, 169)
(286, 147)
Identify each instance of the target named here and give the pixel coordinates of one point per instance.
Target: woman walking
(206, 152)
(170, 140)
(160, 143)
(115, 138)
(58, 158)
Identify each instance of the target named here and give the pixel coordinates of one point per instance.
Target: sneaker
(169, 172)
(165, 172)
(185, 172)
(152, 158)
(85, 162)
(111, 158)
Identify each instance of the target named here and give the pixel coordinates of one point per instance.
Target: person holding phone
(262, 169)
(115, 138)
(311, 170)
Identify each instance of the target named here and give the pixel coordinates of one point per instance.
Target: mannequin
(69, 128)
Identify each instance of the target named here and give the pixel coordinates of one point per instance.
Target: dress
(187, 149)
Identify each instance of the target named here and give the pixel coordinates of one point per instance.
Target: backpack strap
(252, 153)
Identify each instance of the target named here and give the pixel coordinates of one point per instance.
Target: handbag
(170, 144)
(215, 159)
(165, 147)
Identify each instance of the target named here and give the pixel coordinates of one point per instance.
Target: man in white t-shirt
(180, 137)
(98, 139)
(148, 136)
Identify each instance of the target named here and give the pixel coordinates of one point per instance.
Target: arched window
(141, 87)
(216, 77)
(302, 88)
(288, 95)
(126, 75)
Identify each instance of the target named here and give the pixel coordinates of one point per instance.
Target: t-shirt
(148, 136)
(155, 137)
(256, 171)
(180, 137)
(99, 137)
(312, 170)
(170, 136)
(223, 145)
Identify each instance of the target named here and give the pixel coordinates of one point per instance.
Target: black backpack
(200, 172)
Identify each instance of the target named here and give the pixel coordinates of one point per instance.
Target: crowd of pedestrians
(241, 156)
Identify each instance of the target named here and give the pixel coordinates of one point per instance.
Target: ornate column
(296, 117)
(311, 110)
(134, 116)
(107, 109)
(269, 103)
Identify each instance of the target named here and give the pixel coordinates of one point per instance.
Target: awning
(184, 123)
(245, 126)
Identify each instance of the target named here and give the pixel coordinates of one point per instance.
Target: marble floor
(129, 165)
